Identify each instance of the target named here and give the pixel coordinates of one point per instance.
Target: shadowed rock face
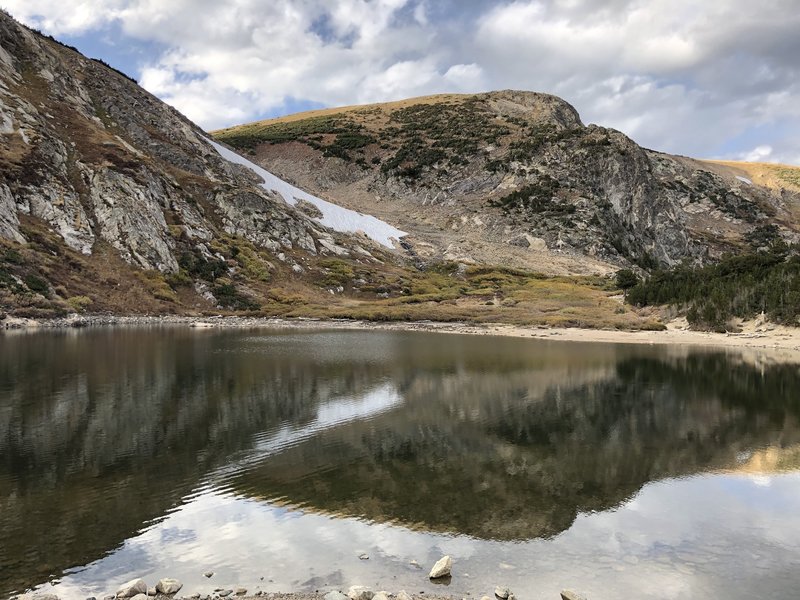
(101, 433)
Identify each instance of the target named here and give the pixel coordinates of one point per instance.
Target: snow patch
(744, 180)
(334, 216)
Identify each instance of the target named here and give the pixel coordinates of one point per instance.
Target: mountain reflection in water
(106, 434)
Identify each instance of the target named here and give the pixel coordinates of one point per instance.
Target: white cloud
(717, 78)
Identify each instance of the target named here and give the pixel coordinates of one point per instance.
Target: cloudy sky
(717, 78)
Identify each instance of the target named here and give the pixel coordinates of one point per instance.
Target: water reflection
(173, 451)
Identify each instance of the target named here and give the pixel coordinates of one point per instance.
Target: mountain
(516, 178)
(110, 199)
(499, 207)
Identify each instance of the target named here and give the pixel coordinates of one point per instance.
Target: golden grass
(770, 175)
(325, 112)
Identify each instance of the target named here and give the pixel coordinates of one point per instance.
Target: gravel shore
(775, 342)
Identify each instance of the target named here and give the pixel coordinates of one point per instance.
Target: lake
(276, 459)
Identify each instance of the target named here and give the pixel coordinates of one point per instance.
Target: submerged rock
(568, 595)
(132, 588)
(442, 568)
(169, 586)
(208, 574)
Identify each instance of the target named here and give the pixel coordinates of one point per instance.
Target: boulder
(403, 595)
(151, 591)
(381, 596)
(442, 568)
(168, 586)
(502, 592)
(335, 596)
(140, 597)
(359, 592)
(132, 588)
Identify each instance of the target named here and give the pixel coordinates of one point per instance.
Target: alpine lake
(302, 460)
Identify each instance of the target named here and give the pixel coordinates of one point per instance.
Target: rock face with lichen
(516, 178)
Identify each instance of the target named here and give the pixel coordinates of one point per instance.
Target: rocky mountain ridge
(102, 185)
(516, 178)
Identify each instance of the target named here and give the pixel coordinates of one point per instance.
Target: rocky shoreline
(770, 342)
(167, 589)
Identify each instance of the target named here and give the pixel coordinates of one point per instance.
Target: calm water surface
(276, 458)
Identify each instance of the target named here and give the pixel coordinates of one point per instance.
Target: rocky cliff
(516, 178)
(104, 187)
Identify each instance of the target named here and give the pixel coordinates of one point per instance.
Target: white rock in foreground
(442, 568)
(502, 592)
(132, 588)
(359, 592)
(403, 595)
(568, 595)
(168, 586)
(140, 597)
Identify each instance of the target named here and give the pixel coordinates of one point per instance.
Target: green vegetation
(626, 279)
(334, 135)
(538, 197)
(438, 135)
(738, 286)
(228, 296)
(535, 139)
(37, 284)
(791, 176)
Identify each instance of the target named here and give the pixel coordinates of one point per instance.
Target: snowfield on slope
(334, 216)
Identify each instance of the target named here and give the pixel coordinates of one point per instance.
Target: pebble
(502, 592)
(240, 591)
(414, 563)
(208, 574)
(151, 591)
(195, 597)
(442, 568)
(403, 595)
(225, 593)
(569, 595)
(363, 556)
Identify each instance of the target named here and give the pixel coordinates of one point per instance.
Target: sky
(711, 79)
